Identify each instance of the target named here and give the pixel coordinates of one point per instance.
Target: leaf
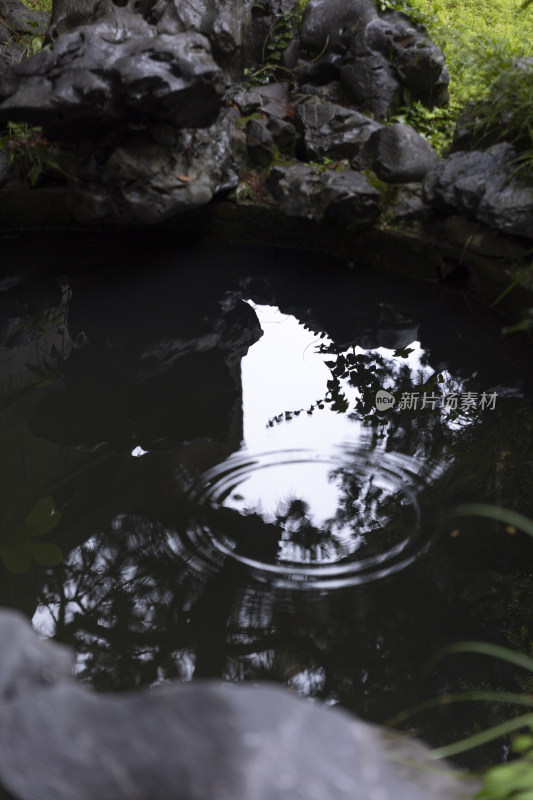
(505, 515)
(41, 518)
(46, 553)
(403, 352)
(16, 560)
(35, 173)
(185, 178)
(486, 649)
(482, 738)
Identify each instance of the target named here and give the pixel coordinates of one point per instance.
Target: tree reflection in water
(140, 595)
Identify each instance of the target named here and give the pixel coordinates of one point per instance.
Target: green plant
(39, 5)
(277, 40)
(434, 124)
(18, 545)
(27, 147)
(513, 780)
(33, 42)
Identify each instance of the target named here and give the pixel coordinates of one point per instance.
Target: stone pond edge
(484, 264)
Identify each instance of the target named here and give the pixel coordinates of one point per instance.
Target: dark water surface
(196, 481)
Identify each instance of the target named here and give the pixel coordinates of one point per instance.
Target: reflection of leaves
(46, 553)
(403, 352)
(42, 518)
(18, 548)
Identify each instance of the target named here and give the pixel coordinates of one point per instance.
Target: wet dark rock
(68, 15)
(223, 23)
(398, 154)
(386, 60)
(407, 205)
(304, 191)
(147, 181)
(27, 663)
(283, 135)
(246, 102)
(331, 24)
(327, 93)
(210, 739)
(94, 80)
(19, 19)
(332, 131)
(18, 25)
(259, 142)
(320, 72)
(483, 185)
(4, 168)
(273, 99)
(269, 20)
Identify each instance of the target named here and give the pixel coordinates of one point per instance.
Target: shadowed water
(197, 481)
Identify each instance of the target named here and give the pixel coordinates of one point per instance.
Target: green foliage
(39, 5)
(17, 536)
(277, 40)
(26, 146)
(434, 124)
(328, 165)
(481, 40)
(34, 42)
(515, 779)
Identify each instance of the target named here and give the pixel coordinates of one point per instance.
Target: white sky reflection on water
(282, 372)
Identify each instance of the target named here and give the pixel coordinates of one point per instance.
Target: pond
(242, 463)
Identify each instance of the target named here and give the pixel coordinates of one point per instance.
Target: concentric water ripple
(304, 518)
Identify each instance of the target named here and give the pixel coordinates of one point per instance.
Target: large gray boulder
(114, 73)
(153, 176)
(18, 25)
(343, 195)
(223, 22)
(384, 59)
(484, 185)
(398, 154)
(333, 131)
(199, 741)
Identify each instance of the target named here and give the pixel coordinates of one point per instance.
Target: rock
(223, 23)
(27, 662)
(302, 191)
(321, 72)
(483, 185)
(259, 142)
(407, 206)
(272, 22)
(332, 131)
(327, 93)
(283, 135)
(4, 168)
(97, 79)
(398, 154)
(68, 15)
(386, 60)
(246, 102)
(20, 20)
(64, 742)
(331, 24)
(18, 24)
(147, 181)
